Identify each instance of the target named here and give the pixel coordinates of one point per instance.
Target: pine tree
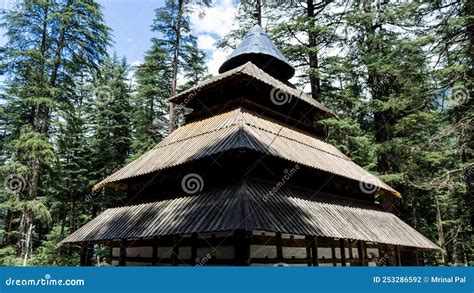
(153, 78)
(172, 22)
(111, 123)
(48, 41)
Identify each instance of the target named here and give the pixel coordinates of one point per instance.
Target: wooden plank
(167, 241)
(242, 247)
(155, 251)
(83, 260)
(314, 254)
(284, 260)
(111, 251)
(308, 250)
(168, 261)
(399, 261)
(361, 251)
(271, 240)
(193, 249)
(175, 254)
(351, 255)
(333, 252)
(342, 245)
(417, 258)
(279, 245)
(123, 252)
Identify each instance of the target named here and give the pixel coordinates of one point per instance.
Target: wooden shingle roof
(252, 71)
(253, 205)
(239, 129)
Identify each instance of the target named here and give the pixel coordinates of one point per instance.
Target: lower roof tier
(242, 129)
(253, 205)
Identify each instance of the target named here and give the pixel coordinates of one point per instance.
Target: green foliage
(397, 75)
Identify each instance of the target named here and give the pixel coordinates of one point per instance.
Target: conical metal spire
(258, 48)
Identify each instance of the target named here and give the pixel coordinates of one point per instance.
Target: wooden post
(175, 254)
(123, 252)
(154, 256)
(417, 258)
(193, 249)
(242, 247)
(83, 260)
(333, 252)
(111, 253)
(397, 257)
(308, 244)
(279, 246)
(361, 250)
(314, 254)
(343, 252)
(351, 256)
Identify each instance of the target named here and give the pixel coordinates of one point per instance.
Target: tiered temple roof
(252, 114)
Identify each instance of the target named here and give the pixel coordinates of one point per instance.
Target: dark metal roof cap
(258, 48)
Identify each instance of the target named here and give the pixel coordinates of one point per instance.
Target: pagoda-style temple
(248, 181)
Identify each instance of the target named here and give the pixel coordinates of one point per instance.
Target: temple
(249, 181)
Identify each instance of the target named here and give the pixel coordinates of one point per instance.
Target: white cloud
(215, 23)
(206, 42)
(215, 61)
(217, 19)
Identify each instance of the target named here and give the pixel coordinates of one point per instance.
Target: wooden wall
(257, 248)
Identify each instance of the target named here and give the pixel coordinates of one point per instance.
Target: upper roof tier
(240, 129)
(258, 48)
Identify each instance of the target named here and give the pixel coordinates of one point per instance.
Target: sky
(131, 21)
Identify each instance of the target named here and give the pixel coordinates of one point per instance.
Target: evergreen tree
(153, 78)
(172, 22)
(48, 41)
(111, 127)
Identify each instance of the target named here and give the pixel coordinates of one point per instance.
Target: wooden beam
(417, 257)
(333, 252)
(314, 254)
(308, 250)
(83, 260)
(175, 254)
(193, 249)
(123, 252)
(279, 245)
(111, 252)
(351, 256)
(242, 247)
(342, 245)
(155, 251)
(361, 251)
(397, 251)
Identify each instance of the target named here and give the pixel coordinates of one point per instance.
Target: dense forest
(398, 74)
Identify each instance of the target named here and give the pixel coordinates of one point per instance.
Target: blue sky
(130, 21)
